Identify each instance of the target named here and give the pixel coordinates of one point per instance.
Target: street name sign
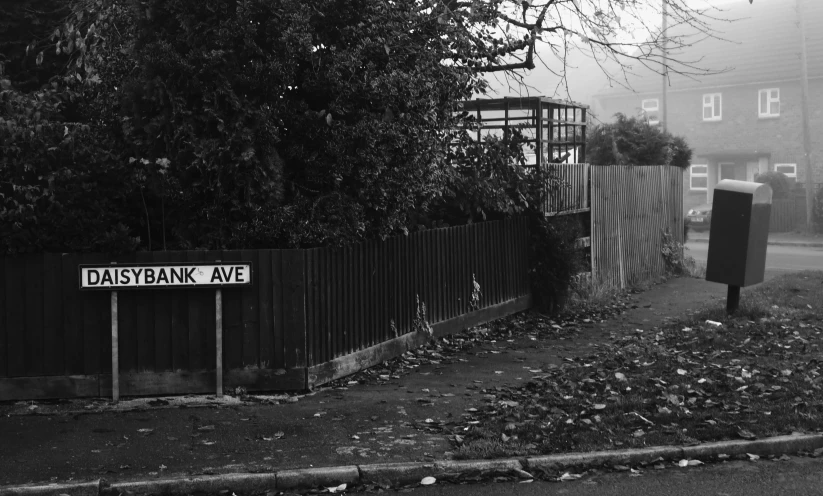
(168, 276)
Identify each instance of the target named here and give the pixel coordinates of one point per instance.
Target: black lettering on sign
(137, 273)
(96, 279)
(149, 276)
(177, 274)
(238, 274)
(106, 278)
(215, 276)
(226, 276)
(161, 276)
(189, 272)
(124, 276)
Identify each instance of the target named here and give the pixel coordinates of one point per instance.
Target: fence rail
(304, 314)
(632, 206)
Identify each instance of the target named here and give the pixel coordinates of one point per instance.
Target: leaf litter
(745, 379)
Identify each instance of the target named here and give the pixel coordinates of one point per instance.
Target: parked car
(700, 217)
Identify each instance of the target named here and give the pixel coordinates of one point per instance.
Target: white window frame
(651, 105)
(792, 174)
(772, 96)
(693, 175)
(717, 113)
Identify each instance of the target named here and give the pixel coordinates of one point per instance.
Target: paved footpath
(360, 424)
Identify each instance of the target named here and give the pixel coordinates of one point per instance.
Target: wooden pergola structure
(556, 128)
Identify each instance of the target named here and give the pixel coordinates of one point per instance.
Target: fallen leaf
(753, 457)
(746, 434)
(599, 406)
(428, 481)
(683, 463)
(619, 376)
(681, 372)
(567, 477)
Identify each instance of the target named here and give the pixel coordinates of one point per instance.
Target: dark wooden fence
(310, 315)
(784, 214)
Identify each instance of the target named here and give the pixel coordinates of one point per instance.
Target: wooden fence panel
(305, 308)
(573, 192)
(783, 215)
(632, 206)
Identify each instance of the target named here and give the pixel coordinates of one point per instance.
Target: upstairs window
(789, 169)
(768, 102)
(712, 107)
(651, 108)
(699, 177)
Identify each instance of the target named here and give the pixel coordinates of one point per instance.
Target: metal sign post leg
(115, 351)
(218, 305)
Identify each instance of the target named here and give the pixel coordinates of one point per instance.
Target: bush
(633, 141)
(554, 260)
(779, 182)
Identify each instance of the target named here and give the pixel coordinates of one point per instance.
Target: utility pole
(665, 101)
(807, 140)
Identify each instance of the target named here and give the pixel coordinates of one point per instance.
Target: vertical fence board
(4, 356)
(179, 320)
(127, 324)
(72, 317)
(360, 299)
(96, 322)
(294, 308)
(53, 337)
(249, 298)
(278, 329)
(311, 307)
(144, 312)
(232, 319)
(16, 315)
(199, 313)
(162, 321)
(34, 342)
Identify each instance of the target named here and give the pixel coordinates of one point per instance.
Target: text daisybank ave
(172, 275)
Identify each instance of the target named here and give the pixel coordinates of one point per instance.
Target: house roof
(753, 43)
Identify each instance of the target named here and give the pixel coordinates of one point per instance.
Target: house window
(711, 107)
(768, 102)
(651, 108)
(789, 169)
(699, 177)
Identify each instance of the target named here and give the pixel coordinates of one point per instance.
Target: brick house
(747, 119)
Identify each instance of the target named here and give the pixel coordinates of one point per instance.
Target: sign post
(115, 277)
(218, 317)
(115, 349)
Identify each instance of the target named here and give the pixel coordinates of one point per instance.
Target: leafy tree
(633, 141)
(273, 122)
(779, 182)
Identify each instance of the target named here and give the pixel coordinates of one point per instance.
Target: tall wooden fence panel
(632, 206)
(308, 317)
(572, 194)
(374, 300)
(784, 215)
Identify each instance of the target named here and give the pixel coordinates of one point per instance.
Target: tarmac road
(795, 477)
(778, 258)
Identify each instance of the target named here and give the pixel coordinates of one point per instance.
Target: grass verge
(706, 377)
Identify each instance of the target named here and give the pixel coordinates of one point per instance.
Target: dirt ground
(388, 419)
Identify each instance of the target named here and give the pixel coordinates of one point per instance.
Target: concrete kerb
(400, 474)
(805, 244)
